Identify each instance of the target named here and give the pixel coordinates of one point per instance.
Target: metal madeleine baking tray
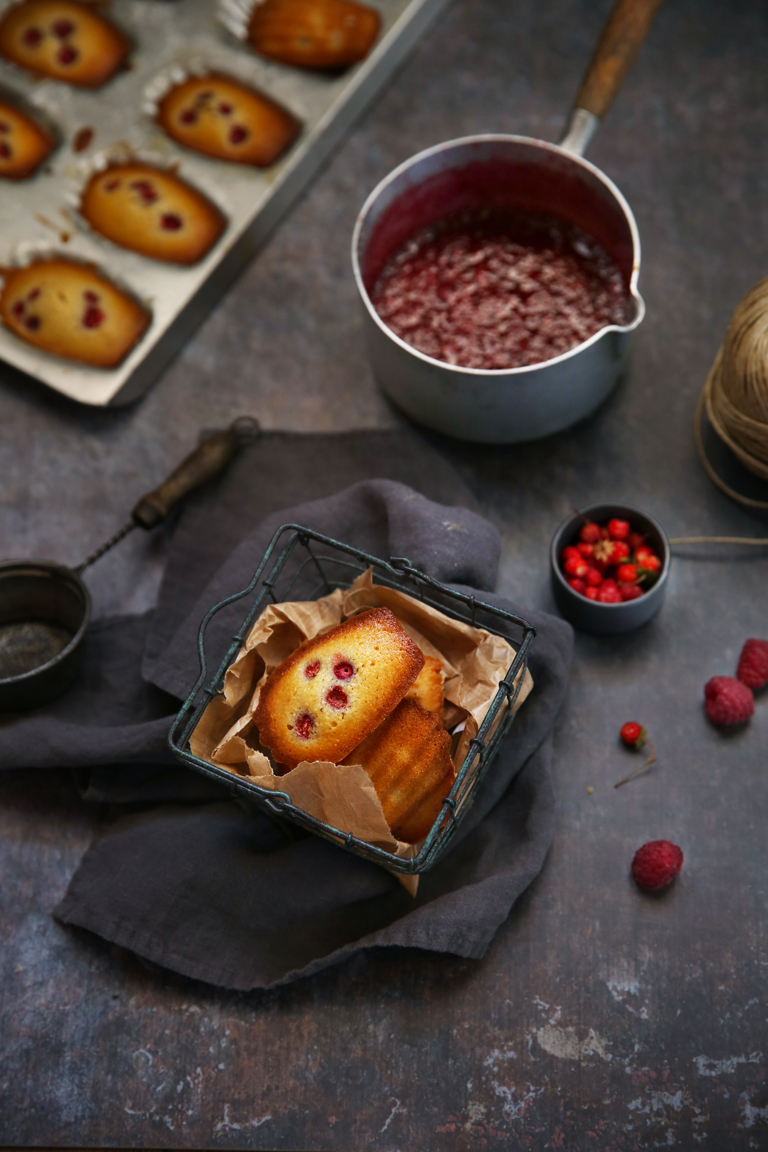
(39, 215)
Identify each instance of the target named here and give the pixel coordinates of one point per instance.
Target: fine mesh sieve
(45, 607)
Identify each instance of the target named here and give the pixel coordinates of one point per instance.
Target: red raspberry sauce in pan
(500, 288)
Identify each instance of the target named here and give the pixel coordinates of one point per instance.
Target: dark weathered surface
(600, 1019)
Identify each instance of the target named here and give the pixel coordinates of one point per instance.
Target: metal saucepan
(45, 607)
(515, 404)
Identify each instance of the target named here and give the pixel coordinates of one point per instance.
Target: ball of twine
(736, 392)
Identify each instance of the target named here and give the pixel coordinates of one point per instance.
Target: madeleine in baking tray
(223, 118)
(331, 693)
(408, 759)
(63, 40)
(24, 144)
(70, 310)
(151, 211)
(313, 33)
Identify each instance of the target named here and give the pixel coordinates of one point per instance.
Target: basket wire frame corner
(302, 563)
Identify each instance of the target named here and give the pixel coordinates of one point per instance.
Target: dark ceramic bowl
(591, 615)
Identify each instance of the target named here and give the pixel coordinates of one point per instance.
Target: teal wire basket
(301, 564)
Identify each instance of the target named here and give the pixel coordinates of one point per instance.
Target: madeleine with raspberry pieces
(222, 118)
(334, 691)
(313, 33)
(24, 143)
(71, 310)
(152, 211)
(63, 40)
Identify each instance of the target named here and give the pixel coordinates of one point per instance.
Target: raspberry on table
(753, 664)
(656, 864)
(727, 701)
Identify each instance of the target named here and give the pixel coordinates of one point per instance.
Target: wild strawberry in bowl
(609, 566)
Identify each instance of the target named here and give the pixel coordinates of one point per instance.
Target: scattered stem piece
(641, 767)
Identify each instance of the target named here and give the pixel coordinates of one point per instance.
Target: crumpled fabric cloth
(215, 889)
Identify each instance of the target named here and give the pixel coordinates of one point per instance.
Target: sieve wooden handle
(209, 459)
(620, 42)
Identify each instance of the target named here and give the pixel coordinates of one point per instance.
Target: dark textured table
(600, 1019)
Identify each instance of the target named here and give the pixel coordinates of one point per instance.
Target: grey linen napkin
(221, 894)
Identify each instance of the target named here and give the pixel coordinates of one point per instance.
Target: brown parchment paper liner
(474, 661)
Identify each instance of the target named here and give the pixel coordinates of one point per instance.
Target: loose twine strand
(735, 396)
(717, 540)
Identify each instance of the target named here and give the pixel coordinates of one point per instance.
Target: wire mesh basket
(301, 564)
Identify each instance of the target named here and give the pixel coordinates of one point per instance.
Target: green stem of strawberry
(641, 767)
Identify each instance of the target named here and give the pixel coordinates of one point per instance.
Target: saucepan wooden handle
(620, 42)
(208, 460)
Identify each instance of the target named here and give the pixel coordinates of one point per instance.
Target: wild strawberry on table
(636, 541)
(633, 734)
(578, 585)
(592, 593)
(571, 553)
(619, 529)
(636, 738)
(593, 578)
(585, 550)
(589, 533)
